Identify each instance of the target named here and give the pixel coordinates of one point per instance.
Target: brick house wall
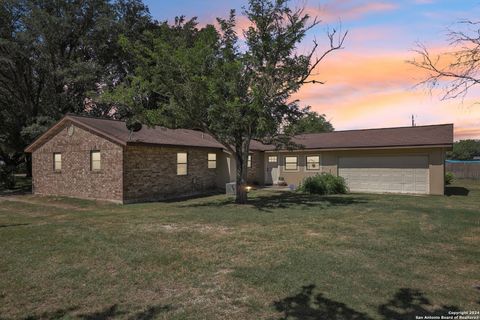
(132, 173)
(76, 179)
(150, 173)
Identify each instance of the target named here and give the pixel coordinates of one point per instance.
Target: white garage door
(402, 174)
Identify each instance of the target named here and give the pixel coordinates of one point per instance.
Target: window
(57, 162)
(181, 164)
(212, 160)
(291, 163)
(249, 161)
(313, 162)
(272, 159)
(95, 161)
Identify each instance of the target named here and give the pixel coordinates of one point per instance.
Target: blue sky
(369, 84)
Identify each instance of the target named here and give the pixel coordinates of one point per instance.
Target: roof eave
(40, 140)
(448, 146)
(144, 143)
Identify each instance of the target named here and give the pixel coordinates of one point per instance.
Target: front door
(272, 173)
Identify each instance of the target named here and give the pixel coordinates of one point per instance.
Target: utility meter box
(231, 188)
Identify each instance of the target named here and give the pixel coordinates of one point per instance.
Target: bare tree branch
(455, 71)
(336, 40)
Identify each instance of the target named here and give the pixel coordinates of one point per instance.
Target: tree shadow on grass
(306, 305)
(408, 303)
(13, 225)
(57, 314)
(284, 200)
(405, 304)
(112, 312)
(202, 195)
(456, 191)
(108, 313)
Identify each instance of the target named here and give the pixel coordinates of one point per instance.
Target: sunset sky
(369, 84)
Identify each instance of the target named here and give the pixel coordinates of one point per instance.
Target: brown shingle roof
(376, 138)
(117, 132)
(156, 135)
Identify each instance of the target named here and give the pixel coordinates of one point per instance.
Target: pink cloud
(369, 85)
(368, 90)
(467, 133)
(395, 107)
(348, 9)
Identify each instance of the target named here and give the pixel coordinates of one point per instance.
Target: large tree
(235, 89)
(456, 70)
(53, 55)
(311, 122)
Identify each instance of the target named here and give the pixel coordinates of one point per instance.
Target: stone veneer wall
(76, 179)
(151, 173)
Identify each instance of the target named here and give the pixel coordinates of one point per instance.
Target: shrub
(449, 178)
(7, 179)
(324, 183)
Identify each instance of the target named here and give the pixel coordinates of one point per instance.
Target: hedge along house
(101, 159)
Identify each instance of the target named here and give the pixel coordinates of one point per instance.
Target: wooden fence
(464, 169)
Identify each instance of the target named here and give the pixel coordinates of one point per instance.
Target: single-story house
(97, 158)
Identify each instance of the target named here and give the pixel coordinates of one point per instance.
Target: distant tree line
(465, 150)
(311, 122)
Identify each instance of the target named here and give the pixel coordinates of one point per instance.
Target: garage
(390, 174)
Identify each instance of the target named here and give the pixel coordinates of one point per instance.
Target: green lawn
(284, 256)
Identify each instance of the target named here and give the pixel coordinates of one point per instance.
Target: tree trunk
(241, 197)
(241, 159)
(28, 164)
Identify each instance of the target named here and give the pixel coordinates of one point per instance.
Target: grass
(283, 256)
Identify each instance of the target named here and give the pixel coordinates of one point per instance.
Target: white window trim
(249, 161)
(319, 163)
(211, 161)
(55, 162)
(276, 159)
(91, 160)
(285, 164)
(180, 163)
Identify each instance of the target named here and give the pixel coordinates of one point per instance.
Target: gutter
(362, 148)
